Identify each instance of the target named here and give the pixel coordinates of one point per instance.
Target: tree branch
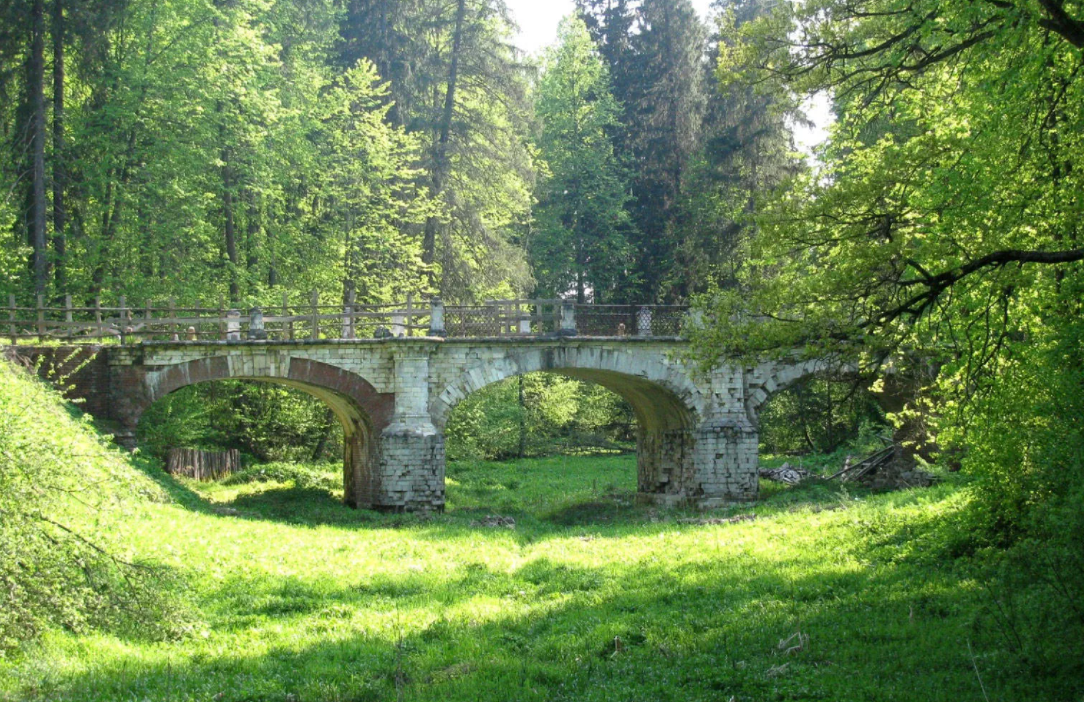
(1061, 23)
(916, 305)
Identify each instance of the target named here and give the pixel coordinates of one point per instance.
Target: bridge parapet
(125, 324)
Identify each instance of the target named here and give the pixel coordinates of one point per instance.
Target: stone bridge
(697, 431)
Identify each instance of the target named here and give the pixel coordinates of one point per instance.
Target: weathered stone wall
(81, 372)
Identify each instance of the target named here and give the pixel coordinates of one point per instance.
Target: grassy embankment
(826, 594)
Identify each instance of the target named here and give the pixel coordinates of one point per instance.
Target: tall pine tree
(581, 240)
(746, 149)
(665, 113)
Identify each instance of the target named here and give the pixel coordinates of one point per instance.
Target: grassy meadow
(815, 593)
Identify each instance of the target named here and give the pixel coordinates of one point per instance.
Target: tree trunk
(440, 151)
(522, 420)
(230, 228)
(203, 465)
(36, 88)
(252, 231)
(321, 443)
(60, 215)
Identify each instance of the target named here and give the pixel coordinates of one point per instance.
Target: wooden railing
(311, 320)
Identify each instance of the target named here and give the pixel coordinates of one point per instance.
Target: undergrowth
(66, 497)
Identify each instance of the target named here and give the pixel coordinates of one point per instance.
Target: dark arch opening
(361, 410)
(817, 414)
(351, 427)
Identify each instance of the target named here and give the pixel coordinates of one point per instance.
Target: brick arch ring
(761, 387)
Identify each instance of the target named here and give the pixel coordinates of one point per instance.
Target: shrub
(301, 475)
(63, 495)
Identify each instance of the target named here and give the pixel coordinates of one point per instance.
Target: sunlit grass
(825, 595)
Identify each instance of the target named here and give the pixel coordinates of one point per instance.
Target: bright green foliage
(457, 84)
(304, 476)
(538, 414)
(921, 181)
(942, 234)
(746, 149)
(66, 504)
(580, 241)
(213, 150)
(266, 422)
(666, 105)
(589, 597)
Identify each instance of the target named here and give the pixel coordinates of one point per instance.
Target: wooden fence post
(288, 327)
(173, 328)
(68, 316)
(11, 316)
(123, 321)
(221, 318)
(315, 314)
(98, 317)
(41, 318)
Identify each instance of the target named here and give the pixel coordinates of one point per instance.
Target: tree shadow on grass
(711, 630)
(178, 493)
(306, 506)
(607, 515)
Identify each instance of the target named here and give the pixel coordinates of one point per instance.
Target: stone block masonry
(697, 432)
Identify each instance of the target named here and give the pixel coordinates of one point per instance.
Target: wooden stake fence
(203, 465)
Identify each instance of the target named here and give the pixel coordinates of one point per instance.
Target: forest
(236, 153)
(241, 149)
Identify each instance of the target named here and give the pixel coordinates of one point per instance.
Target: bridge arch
(668, 406)
(662, 396)
(361, 410)
(767, 380)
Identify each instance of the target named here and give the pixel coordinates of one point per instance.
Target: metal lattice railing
(606, 320)
(665, 320)
(473, 321)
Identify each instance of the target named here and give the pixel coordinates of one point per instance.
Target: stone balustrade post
(568, 319)
(256, 331)
(398, 324)
(694, 319)
(643, 321)
(436, 317)
(348, 316)
(233, 325)
(525, 322)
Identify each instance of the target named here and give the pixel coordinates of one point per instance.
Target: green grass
(826, 595)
